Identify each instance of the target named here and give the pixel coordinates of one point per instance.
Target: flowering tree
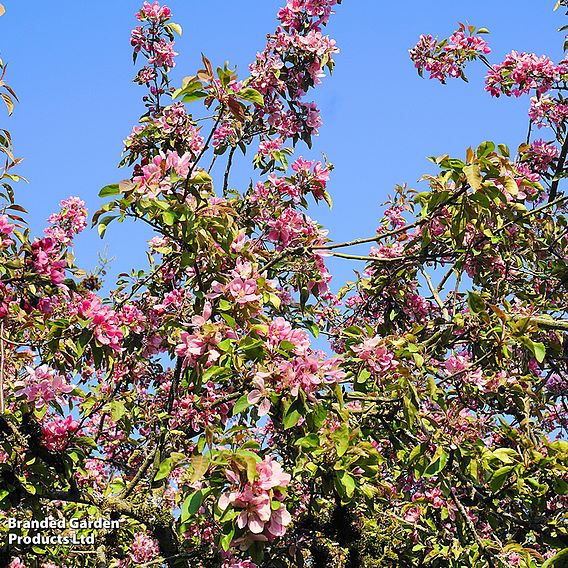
(192, 409)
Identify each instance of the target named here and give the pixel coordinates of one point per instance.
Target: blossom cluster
(520, 73)
(262, 511)
(448, 57)
(42, 385)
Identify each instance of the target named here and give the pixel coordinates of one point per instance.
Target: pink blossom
(271, 475)
(266, 147)
(46, 260)
(375, 353)
(6, 227)
(260, 394)
(154, 12)
(104, 321)
(522, 72)
(42, 385)
(56, 433)
(541, 154)
(546, 108)
(70, 221)
(162, 54)
(143, 548)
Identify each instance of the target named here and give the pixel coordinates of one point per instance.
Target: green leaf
(241, 404)
(103, 223)
(169, 218)
(310, 441)
(165, 469)
(475, 302)
(346, 483)
(499, 477)
(228, 534)
(291, 415)
(251, 95)
(107, 190)
(485, 148)
(539, 351)
(438, 463)
(341, 439)
(191, 505)
(117, 410)
(200, 466)
(174, 27)
(473, 176)
(201, 178)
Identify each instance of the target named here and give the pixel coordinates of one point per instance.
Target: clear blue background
(70, 63)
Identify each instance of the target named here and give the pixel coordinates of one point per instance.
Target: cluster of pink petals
(292, 229)
(443, 60)
(541, 154)
(300, 36)
(154, 12)
(266, 147)
(155, 177)
(280, 330)
(308, 372)
(6, 228)
(460, 365)
(162, 54)
(243, 288)
(376, 355)
(201, 411)
(104, 321)
(256, 500)
(522, 72)
(203, 340)
(291, 16)
(311, 180)
(143, 548)
(546, 108)
(46, 260)
(70, 221)
(56, 432)
(94, 474)
(42, 385)
(223, 135)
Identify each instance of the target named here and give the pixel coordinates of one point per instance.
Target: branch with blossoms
(194, 406)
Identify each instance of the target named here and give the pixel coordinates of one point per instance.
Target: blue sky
(70, 63)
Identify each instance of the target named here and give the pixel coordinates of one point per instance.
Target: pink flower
(56, 433)
(42, 385)
(260, 394)
(104, 321)
(5, 226)
(224, 135)
(70, 221)
(143, 548)
(412, 515)
(541, 154)
(266, 147)
(162, 54)
(154, 12)
(375, 353)
(446, 60)
(46, 260)
(522, 72)
(271, 475)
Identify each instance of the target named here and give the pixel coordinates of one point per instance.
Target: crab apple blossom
(230, 405)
